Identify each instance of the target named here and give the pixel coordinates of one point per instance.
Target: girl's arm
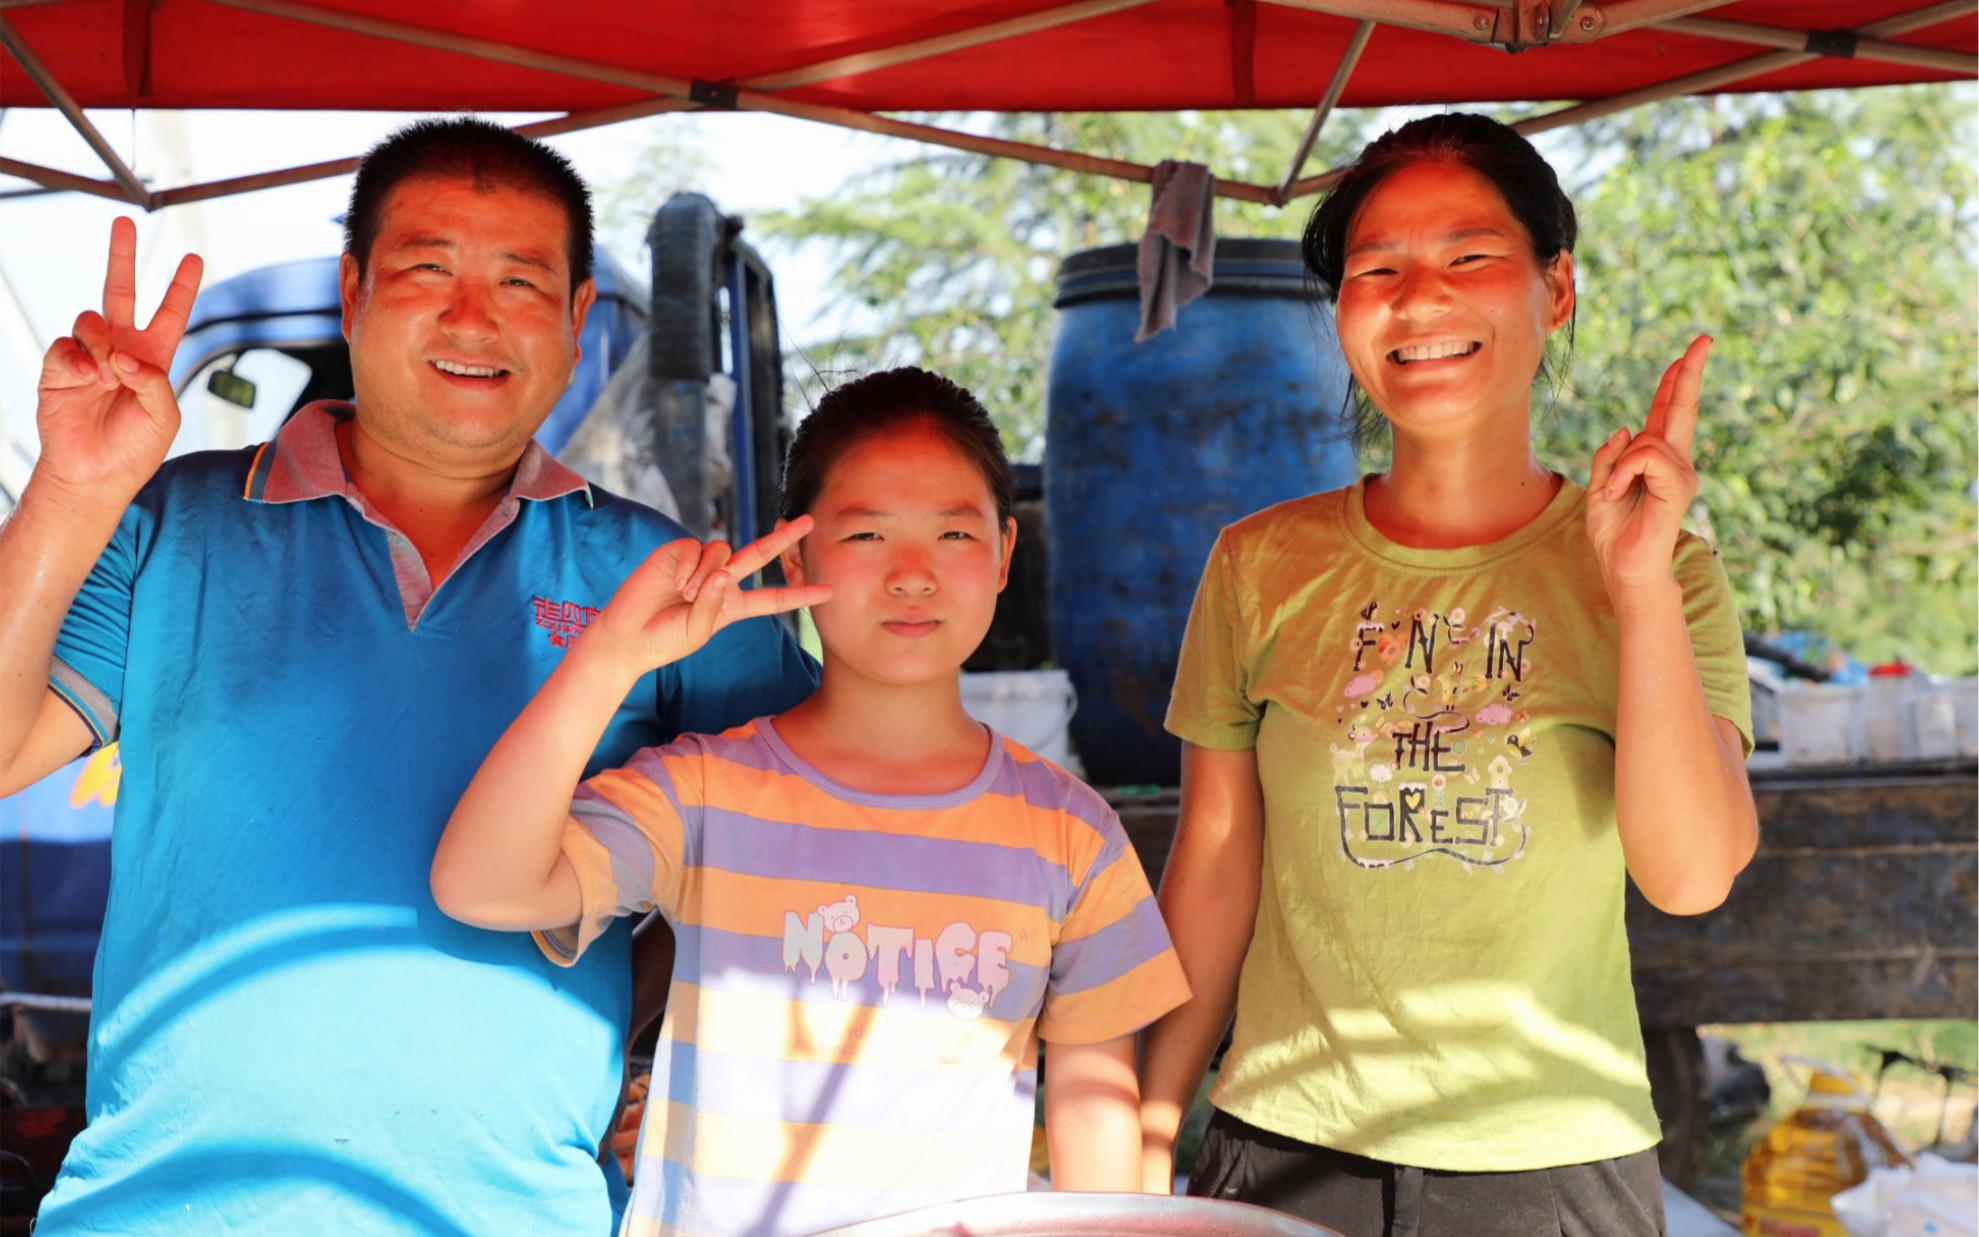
(1682, 802)
(1092, 1124)
(1211, 883)
(500, 861)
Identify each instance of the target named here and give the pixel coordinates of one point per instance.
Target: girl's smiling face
(1444, 309)
(908, 537)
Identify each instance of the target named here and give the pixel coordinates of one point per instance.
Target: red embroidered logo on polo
(565, 620)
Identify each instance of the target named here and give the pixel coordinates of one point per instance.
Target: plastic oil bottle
(1830, 1143)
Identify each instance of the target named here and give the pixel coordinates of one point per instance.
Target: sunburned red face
(1444, 310)
(463, 328)
(908, 538)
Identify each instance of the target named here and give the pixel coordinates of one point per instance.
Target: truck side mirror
(231, 387)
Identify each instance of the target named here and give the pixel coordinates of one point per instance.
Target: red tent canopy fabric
(845, 61)
(1167, 55)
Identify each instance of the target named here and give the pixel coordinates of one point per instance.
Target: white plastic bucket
(1818, 725)
(1929, 722)
(1882, 717)
(1031, 706)
(1965, 709)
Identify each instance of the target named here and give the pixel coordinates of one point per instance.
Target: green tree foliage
(1826, 240)
(670, 162)
(947, 259)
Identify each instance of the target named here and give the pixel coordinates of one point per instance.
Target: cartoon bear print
(966, 1003)
(841, 916)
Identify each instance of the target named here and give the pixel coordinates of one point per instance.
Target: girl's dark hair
(469, 148)
(1493, 150)
(881, 403)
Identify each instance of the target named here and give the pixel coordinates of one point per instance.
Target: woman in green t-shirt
(1432, 724)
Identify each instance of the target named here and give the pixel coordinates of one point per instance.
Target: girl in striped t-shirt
(881, 905)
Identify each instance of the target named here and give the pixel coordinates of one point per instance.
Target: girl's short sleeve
(626, 841)
(1210, 705)
(1716, 641)
(1113, 967)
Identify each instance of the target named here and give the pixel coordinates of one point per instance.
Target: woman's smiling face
(1444, 310)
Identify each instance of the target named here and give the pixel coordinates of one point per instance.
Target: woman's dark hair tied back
(882, 403)
(1495, 151)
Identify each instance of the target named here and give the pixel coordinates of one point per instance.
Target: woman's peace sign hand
(105, 408)
(1642, 485)
(685, 592)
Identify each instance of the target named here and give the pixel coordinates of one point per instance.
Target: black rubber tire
(686, 240)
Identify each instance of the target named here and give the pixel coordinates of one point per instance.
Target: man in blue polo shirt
(305, 649)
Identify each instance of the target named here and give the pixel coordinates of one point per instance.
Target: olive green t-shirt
(1439, 975)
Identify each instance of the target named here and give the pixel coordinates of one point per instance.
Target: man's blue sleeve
(748, 670)
(92, 649)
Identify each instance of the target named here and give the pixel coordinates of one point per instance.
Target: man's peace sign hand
(685, 592)
(105, 410)
(1642, 485)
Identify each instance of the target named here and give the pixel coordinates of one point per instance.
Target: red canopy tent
(852, 62)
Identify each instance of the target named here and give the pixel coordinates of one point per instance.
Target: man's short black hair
(467, 148)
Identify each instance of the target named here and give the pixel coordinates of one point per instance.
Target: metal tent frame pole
(718, 94)
(921, 49)
(44, 80)
(1860, 47)
(1771, 62)
(1334, 89)
(1708, 79)
(843, 66)
(1521, 24)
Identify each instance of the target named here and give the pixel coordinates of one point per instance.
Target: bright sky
(52, 247)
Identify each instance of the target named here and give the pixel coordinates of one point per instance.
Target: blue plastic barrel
(1152, 448)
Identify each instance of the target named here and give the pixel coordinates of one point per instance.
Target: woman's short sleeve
(1715, 638)
(1210, 705)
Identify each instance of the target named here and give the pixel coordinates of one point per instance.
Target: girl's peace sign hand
(105, 408)
(685, 592)
(1642, 485)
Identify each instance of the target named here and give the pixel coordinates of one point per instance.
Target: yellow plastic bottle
(1830, 1143)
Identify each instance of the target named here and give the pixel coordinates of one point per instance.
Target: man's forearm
(47, 547)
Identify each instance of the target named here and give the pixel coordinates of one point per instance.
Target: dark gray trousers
(1359, 1197)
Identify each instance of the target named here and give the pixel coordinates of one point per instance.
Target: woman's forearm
(1211, 883)
(1682, 802)
(499, 861)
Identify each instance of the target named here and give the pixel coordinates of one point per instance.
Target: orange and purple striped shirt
(861, 980)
